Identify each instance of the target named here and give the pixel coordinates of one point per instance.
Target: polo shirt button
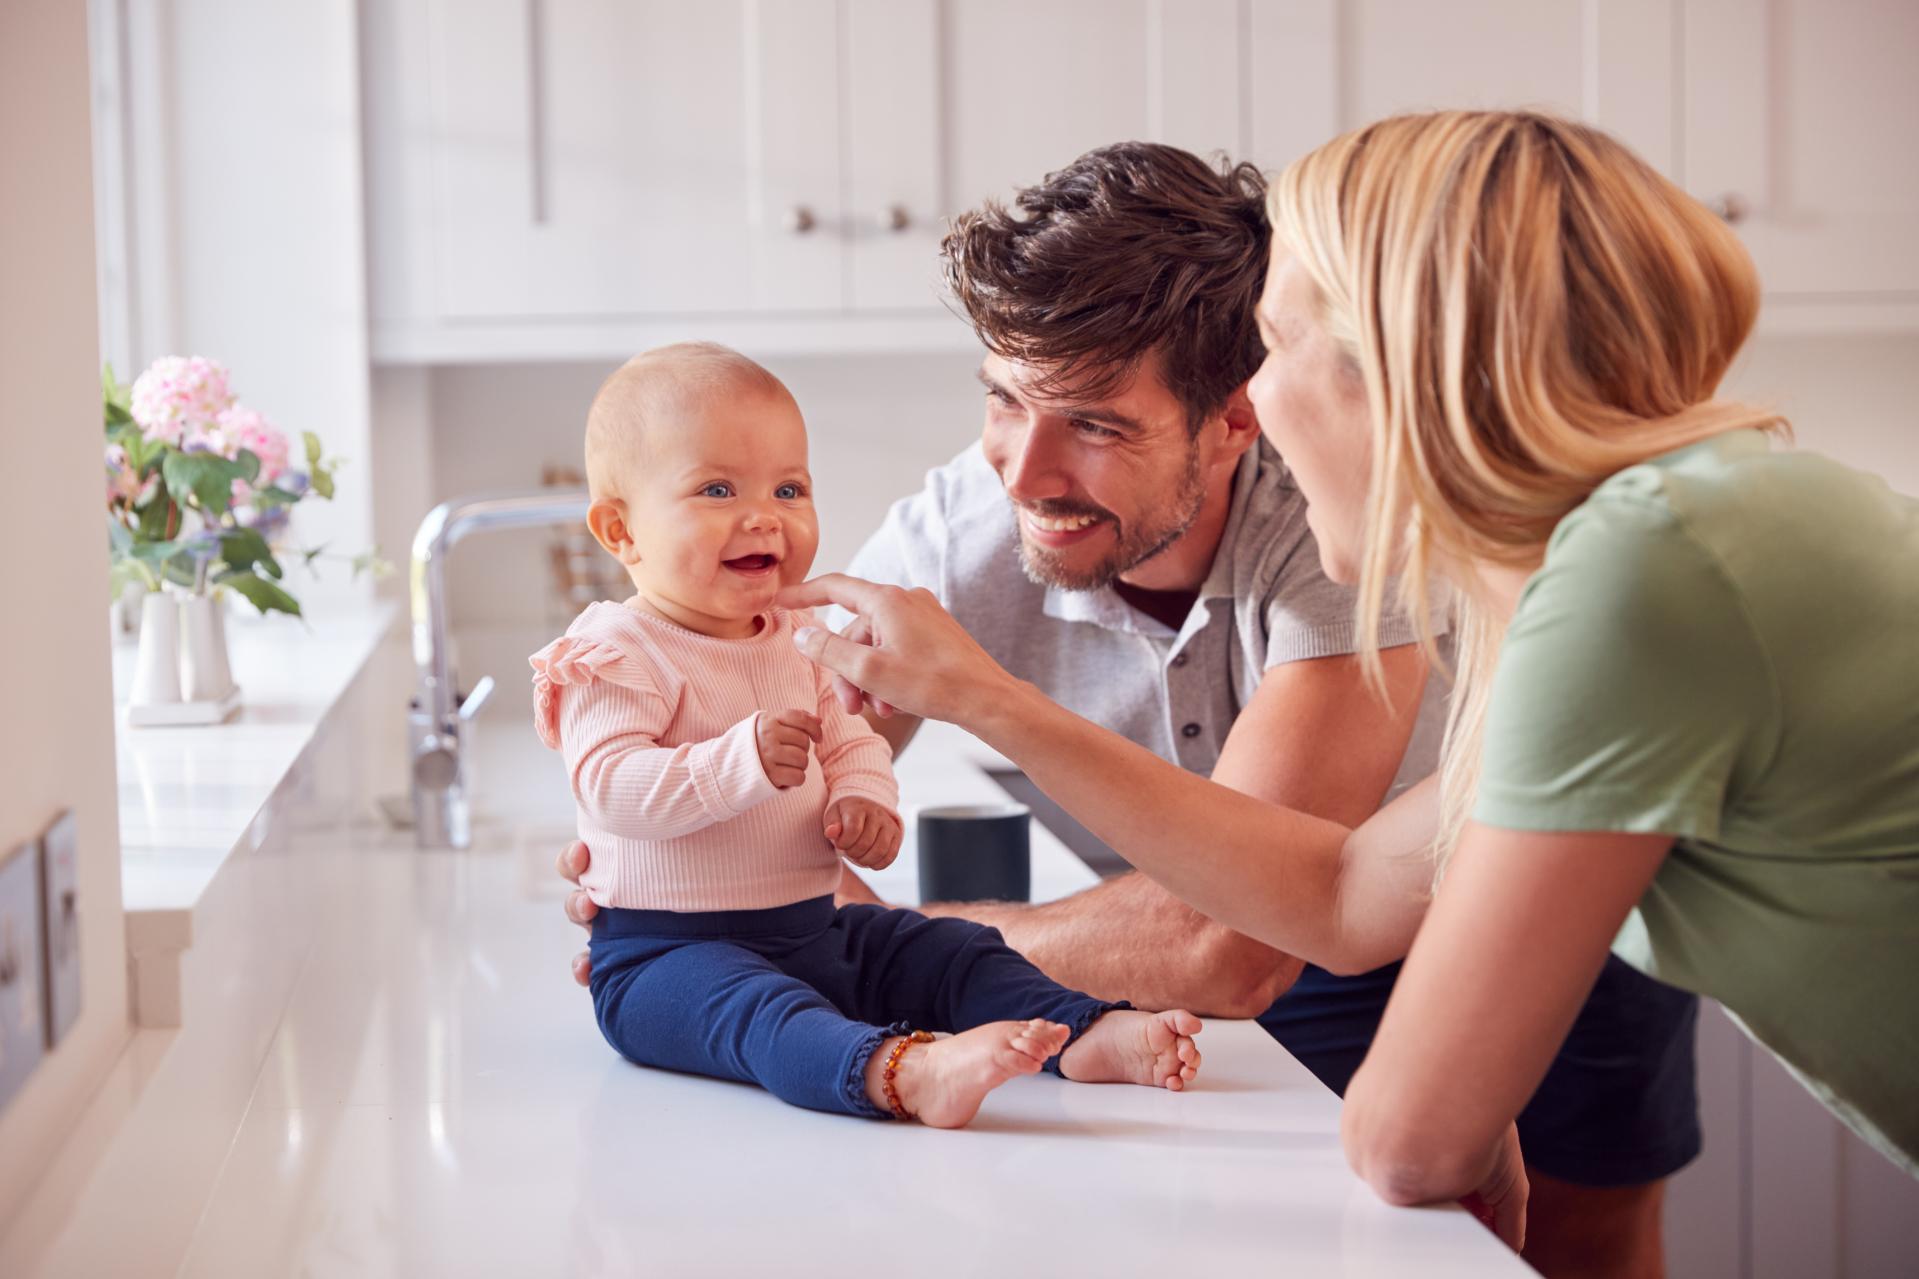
(1191, 730)
(1179, 659)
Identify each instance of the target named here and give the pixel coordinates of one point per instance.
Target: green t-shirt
(1722, 645)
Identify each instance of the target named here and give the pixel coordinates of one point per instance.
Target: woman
(1686, 724)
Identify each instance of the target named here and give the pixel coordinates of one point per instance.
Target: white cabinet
(1801, 120)
(604, 157)
(582, 177)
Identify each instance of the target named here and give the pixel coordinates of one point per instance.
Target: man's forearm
(1129, 939)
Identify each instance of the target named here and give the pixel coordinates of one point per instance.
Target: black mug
(975, 852)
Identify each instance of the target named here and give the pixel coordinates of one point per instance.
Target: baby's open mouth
(753, 564)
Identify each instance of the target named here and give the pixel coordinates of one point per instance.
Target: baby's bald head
(657, 391)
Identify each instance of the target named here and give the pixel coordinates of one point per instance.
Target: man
(1123, 539)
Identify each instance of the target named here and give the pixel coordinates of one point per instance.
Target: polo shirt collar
(1104, 608)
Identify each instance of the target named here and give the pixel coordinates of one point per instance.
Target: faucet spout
(437, 719)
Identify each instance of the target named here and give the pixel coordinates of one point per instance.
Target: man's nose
(1031, 472)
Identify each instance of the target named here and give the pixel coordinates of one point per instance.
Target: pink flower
(243, 428)
(180, 396)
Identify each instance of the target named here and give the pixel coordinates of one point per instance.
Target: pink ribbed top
(658, 726)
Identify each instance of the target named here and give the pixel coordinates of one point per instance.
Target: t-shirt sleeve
(1631, 692)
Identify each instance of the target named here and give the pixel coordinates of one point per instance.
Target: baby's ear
(607, 519)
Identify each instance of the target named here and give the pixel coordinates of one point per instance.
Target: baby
(719, 782)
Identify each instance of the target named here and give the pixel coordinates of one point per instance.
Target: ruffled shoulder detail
(587, 652)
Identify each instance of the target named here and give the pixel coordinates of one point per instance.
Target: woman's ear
(607, 519)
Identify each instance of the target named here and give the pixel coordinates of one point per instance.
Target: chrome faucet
(439, 712)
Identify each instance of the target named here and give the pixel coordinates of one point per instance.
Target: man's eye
(789, 492)
(717, 489)
(1094, 429)
(999, 397)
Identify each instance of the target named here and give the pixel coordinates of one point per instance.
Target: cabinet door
(1316, 68)
(606, 158)
(1800, 121)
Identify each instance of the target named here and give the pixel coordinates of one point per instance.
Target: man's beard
(1132, 546)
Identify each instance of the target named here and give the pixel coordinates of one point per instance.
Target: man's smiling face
(1099, 486)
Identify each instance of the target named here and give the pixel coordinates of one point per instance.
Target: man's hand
(786, 743)
(579, 907)
(1500, 1200)
(863, 832)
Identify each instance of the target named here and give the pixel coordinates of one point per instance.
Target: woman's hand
(911, 654)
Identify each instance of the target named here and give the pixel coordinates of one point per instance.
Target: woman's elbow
(1405, 1161)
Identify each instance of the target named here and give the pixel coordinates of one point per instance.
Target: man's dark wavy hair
(1131, 249)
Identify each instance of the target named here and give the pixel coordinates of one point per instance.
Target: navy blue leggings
(796, 998)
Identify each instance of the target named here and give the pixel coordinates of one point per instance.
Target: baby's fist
(863, 832)
(785, 742)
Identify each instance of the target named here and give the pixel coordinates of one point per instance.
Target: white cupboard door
(1032, 84)
(894, 199)
(608, 158)
(1316, 68)
(1802, 125)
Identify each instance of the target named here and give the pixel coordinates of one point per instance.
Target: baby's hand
(865, 833)
(785, 741)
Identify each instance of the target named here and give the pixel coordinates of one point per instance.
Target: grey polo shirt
(1176, 692)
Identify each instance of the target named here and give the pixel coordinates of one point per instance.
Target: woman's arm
(1298, 883)
(1509, 951)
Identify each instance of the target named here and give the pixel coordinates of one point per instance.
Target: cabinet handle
(895, 218)
(799, 219)
(1730, 208)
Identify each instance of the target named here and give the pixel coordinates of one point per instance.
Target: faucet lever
(477, 698)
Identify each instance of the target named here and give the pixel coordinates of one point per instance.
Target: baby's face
(722, 515)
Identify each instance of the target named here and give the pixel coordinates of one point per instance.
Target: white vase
(156, 668)
(204, 673)
(123, 614)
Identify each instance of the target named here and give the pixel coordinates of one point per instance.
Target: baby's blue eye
(717, 489)
(788, 492)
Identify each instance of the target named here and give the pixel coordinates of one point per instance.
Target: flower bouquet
(199, 488)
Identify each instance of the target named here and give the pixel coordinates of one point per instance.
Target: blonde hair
(652, 389)
(1531, 309)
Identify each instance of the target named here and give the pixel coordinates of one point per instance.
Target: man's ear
(607, 518)
(1242, 425)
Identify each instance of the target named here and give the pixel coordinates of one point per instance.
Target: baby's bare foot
(1131, 1047)
(943, 1083)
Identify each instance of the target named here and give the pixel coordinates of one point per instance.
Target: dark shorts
(1616, 1108)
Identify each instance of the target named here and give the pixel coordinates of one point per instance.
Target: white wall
(56, 737)
(876, 424)
(1855, 397)
(243, 172)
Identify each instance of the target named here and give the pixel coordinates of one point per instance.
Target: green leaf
(322, 481)
(207, 477)
(124, 574)
(119, 538)
(155, 552)
(312, 443)
(153, 516)
(249, 464)
(274, 495)
(263, 594)
(242, 548)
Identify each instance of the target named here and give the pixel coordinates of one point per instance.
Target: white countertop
(191, 797)
(433, 1097)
